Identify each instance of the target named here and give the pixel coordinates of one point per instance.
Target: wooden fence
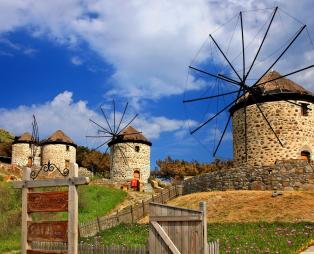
(213, 247)
(129, 214)
(84, 248)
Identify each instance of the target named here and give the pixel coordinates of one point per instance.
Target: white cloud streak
(149, 43)
(73, 118)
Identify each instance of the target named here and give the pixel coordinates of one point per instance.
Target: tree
(94, 161)
(179, 168)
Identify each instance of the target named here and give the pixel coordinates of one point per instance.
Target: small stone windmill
(130, 156)
(129, 148)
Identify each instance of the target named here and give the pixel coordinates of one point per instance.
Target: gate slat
(178, 230)
(165, 237)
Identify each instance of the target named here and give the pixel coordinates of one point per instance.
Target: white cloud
(149, 43)
(76, 60)
(10, 48)
(73, 118)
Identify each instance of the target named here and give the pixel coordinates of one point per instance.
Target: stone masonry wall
(21, 152)
(294, 130)
(284, 175)
(122, 167)
(58, 154)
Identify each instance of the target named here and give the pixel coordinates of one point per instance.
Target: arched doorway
(136, 174)
(305, 155)
(29, 162)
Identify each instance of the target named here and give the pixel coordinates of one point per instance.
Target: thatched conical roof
(130, 134)
(59, 137)
(26, 137)
(281, 85)
(274, 87)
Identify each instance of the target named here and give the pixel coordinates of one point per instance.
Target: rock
(257, 185)
(276, 193)
(307, 186)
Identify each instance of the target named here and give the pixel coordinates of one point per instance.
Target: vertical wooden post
(25, 245)
(180, 190)
(118, 216)
(98, 223)
(132, 215)
(73, 212)
(204, 221)
(143, 204)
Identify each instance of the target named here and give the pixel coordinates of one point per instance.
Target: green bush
(10, 216)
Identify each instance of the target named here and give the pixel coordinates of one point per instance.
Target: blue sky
(60, 60)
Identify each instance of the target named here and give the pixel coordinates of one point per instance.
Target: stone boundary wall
(85, 172)
(284, 175)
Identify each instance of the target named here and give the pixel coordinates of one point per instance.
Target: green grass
(124, 234)
(284, 238)
(10, 216)
(254, 238)
(94, 201)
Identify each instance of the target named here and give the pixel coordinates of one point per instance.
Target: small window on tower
(137, 148)
(30, 162)
(305, 155)
(68, 148)
(67, 164)
(304, 109)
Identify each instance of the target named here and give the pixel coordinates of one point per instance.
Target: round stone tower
(130, 156)
(293, 124)
(22, 150)
(59, 149)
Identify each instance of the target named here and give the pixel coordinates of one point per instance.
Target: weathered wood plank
(165, 237)
(73, 213)
(185, 237)
(46, 252)
(178, 231)
(25, 245)
(47, 201)
(177, 208)
(171, 226)
(177, 218)
(164, 225)
(204, 225)
(51, 182)
(54, 231)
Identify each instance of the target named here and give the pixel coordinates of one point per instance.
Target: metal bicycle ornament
(231, 66)
(49, 167)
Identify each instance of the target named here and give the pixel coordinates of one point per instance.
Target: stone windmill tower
(22, 150)
(130, 156)
(289, 108)
(59, 149)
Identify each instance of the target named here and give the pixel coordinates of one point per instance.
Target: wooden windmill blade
(113, 129)
(223, 75)
(34, 138)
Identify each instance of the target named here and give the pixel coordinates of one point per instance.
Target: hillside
(252, 206)
(5, 143)
(93, 201)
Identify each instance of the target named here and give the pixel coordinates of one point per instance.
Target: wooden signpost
(34, 202)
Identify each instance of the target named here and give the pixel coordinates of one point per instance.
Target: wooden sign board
(46, 252)
(54, 231)
(47, 202)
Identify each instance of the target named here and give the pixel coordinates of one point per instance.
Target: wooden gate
(56, 201)
(177, 230)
